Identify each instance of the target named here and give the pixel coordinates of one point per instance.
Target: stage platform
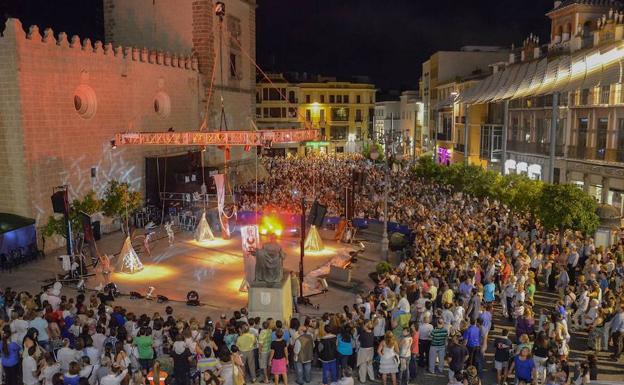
(214, 270)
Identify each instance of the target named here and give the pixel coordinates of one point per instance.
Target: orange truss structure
(215, 138)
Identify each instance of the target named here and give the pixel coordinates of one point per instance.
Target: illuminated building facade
(64, 97)
(401, 120)
(342, 111)
(559, 107)
(439, 75)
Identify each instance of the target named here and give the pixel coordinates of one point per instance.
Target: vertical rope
(162, 214)
(256, 205)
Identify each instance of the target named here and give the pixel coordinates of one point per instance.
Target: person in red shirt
(412, 364)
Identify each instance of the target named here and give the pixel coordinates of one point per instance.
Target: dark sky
(386, 40)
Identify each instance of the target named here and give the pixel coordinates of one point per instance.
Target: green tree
(119, 202)
(427, 168)
(564, 206)
(366, 151)
(522, 194)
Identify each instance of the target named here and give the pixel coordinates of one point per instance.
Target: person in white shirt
(91, 351)
(115, 377)
(19, 326)
(29, 368)
(66, 355)
(49, 369)
(403, 305)
(98, 339)
(88, 370)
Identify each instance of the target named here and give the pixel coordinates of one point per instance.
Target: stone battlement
(14, 29)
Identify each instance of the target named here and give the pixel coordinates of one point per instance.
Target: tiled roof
(605, 3)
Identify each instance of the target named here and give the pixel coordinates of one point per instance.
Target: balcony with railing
(534, 148)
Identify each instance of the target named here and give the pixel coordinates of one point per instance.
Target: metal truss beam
(215, 138)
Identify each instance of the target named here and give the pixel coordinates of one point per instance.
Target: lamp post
(374, 155)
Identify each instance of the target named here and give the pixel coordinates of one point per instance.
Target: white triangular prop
(313, 241)
(128, 261)
(203, 231)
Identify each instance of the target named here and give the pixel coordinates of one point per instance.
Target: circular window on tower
(85, 101)
(162, 104)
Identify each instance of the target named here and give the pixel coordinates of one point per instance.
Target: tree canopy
(557, 206)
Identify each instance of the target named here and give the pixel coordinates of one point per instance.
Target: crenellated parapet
(15, 30)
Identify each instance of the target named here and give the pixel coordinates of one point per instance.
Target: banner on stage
(220, 184)
(250, 238)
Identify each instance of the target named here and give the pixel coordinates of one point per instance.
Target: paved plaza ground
(216, 272)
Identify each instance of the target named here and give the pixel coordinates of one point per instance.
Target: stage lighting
(192, 298)
(161, 298)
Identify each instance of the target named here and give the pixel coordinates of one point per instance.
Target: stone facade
(64, 100)
(191, 26)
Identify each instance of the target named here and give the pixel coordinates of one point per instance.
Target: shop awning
(538, 78)
(563, 73)
(593, 70)
(507, 78)
(566, 73)
(523, 89)
(522, 70)
(550, 77)
(578, 68)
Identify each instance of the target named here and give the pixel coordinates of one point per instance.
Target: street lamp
(374, 155)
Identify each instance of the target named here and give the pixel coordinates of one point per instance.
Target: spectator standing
(388, 351)
(303, 354)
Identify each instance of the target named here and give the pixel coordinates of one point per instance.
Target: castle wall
(191, 26)
(63, 101)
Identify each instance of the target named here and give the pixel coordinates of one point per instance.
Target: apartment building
(441, 74)
(342, 111)
(558, 108)
(400, 122)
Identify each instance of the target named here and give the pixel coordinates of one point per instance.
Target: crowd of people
(462, 300)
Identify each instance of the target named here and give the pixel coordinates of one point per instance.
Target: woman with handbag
(388, 350)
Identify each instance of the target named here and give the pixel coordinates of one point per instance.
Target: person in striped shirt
(438, 337)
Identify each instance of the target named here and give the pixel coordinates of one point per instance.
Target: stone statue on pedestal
(269, 265)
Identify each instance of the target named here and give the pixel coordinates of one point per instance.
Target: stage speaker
(97, 230)
(87, 226)
(317, 214)
(59, 202)
(320, 216)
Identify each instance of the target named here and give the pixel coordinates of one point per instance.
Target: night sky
(386, 40)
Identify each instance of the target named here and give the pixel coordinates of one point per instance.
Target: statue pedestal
(275, 302)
